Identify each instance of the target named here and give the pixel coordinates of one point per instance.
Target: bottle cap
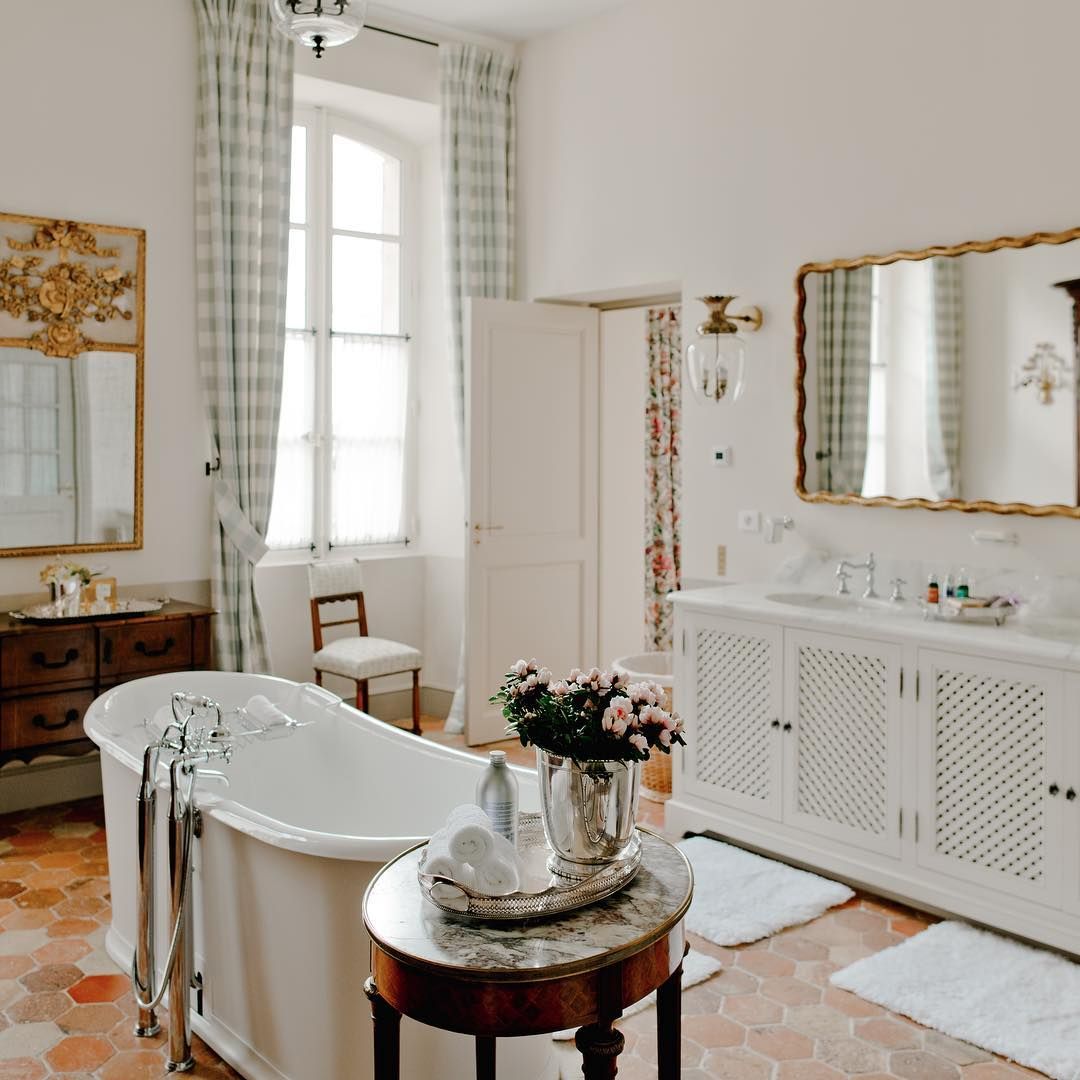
(498, 757)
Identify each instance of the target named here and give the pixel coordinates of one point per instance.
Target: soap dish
(948, 611)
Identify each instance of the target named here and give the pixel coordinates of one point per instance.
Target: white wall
(623, 384)
(725, 142)
(134, 61)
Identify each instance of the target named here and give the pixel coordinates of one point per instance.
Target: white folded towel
(439, 862)
(473, 840)
(498, 876)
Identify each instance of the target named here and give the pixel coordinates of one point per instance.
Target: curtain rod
(397, 33)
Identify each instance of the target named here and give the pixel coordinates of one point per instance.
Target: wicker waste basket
(652, 667)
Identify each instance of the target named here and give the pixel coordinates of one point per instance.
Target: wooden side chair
(357, 658)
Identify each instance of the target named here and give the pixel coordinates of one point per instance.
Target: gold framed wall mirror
(72, 314)
(943, 378)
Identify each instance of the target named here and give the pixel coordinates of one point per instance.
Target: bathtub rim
(216, 803)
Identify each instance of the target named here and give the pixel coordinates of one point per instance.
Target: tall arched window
(342, 466)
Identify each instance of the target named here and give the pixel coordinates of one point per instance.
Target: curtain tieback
(241, 533)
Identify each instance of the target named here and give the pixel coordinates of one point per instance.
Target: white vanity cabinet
(946, 776)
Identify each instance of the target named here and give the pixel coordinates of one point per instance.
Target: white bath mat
(697, 967)
(1008, 998)
(741, 897)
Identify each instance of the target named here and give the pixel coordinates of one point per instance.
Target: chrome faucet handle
(897, 584)
(842, 576)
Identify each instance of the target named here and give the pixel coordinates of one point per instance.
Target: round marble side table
(496, 980)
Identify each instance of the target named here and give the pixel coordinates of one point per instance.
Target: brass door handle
(488, 528)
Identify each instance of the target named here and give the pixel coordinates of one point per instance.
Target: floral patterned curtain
(663, 473)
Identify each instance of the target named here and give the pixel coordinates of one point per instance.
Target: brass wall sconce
(1045, 369)
(716, 357)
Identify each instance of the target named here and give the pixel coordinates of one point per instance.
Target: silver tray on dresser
(543, 892)
(123, 609)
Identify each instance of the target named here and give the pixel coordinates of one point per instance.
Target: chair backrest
(331, 583)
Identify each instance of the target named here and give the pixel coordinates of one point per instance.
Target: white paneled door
(531, 420)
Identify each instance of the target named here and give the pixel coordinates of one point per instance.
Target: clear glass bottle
(963, 585)
(948, 586)
(497, 796)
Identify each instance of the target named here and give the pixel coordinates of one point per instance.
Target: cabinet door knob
(1070, 794)
(775, 724)
(787, 727)
(1054, 789)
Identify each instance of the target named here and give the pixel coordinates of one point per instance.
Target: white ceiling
(513, 20)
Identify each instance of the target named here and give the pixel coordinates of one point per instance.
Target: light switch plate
(749, 521)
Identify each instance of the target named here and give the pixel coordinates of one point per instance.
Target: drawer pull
(69, 658)
(39, 721)
(140, 647)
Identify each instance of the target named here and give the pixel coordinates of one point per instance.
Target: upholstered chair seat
(367, 657)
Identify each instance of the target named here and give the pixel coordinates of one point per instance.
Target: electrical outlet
(721, 560)
(749, 521)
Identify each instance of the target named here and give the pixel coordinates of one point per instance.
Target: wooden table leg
(386, 1022)
(669, 1027)
(600, 1046)
(485, 1057)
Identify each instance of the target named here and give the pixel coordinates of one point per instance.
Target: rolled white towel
(473, 840)
(498, 876)
(439, 862)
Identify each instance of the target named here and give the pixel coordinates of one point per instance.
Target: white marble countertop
(1054, 642)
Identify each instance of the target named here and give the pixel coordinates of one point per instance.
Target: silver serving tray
(125, 609)
(543, 892)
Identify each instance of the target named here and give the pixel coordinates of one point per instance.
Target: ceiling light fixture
(319, 24)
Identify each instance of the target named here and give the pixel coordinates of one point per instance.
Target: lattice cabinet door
(842, 732)
(992, 774)
(733, 712)
(1070, 785)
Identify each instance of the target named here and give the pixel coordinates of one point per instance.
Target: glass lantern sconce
(716, 357)
(1046, 370)
(319, 24)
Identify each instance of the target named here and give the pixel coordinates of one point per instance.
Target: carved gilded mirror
(72, 301)
(944, 378)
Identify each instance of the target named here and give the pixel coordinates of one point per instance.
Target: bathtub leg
(417, 730)
(386, 1023)
(485, 1057)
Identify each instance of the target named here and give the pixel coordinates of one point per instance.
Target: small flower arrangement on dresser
(65, 582)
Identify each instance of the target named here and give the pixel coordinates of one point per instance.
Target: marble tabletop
(403, 923)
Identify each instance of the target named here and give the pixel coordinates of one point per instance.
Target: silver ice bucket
(589, 810)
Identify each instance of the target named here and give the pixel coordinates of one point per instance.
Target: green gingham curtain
(944, 360)
(243, 147)
(843, 342)
(479, 163)
(663, 473)
(478, 160)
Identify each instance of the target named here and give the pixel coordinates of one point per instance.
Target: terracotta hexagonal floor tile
(9, 889)
(80, 1052)
(713, 1031)
(921, 1065)
(51, 977)
(818, 1021)
(30, 919)
(766, 963)
(850, 1004)
(62, 952)
(806, 1070)
(908, 926)
(71, 928)
(134, 1065)
(736, 1064)
(23, 1068)
(35, 1008)
(752, 1009)
(47, 879)
(851, 1055)
(99, 988)
(81, 906)
(11, 967)
(89, 1019)
(888, 1033)
(58, 860)
(779, 1043)
(790, 991)
(798, 947)
(959, 1053)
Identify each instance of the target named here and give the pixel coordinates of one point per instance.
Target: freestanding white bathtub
(287, 849)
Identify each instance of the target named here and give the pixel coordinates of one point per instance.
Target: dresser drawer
(160, 645)
(43, 718)
(53, 656)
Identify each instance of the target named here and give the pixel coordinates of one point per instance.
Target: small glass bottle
(933, 592)
(949, 586)
(963, 588)
(497, 796)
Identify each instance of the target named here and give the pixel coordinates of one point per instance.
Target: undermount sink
(825, 602)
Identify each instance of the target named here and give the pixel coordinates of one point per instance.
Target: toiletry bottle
(497, 796)
(933, 593)
(963, 589)
(950, 588)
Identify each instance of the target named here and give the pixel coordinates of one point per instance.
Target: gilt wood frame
(848, 499)
(137, 347)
